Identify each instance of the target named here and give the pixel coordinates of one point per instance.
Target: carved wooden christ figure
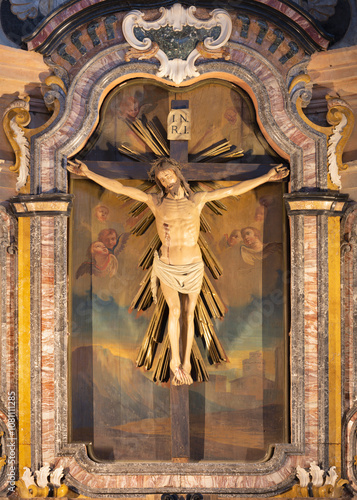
(178, 266)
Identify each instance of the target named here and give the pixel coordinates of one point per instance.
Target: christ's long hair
(162, 164)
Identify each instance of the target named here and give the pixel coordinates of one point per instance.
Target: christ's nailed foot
(181, 377)
(188, 377)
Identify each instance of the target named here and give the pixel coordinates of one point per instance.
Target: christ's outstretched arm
(275, 174)
(80, 168)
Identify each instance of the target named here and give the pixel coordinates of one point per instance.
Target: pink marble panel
(97, 481)
(310, 312)
(123, 481)
(47, 344)
(59, 19)
(8, 328)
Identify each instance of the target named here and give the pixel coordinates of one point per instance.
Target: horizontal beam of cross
(192, 172)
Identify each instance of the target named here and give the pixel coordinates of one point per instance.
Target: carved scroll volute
(341, 117)
(16, 118)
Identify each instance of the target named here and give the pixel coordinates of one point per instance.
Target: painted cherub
(100, 261)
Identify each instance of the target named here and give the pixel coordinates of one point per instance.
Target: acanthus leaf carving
(15, 119)
(340, 116)
(43, 483)
(317, 483)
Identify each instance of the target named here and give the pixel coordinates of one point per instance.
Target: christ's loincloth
(185, 278)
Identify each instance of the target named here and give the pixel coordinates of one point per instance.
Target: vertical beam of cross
(179, 395)
(179, 148)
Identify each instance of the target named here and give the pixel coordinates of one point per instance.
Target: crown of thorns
(163, 163)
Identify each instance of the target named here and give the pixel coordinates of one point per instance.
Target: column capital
(49, 205)
(331, 203)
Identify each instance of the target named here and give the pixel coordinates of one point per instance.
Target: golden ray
(143, 295)
(143, 224)
(206, 331)
(153, 335)
(220, 150)
(125, 150)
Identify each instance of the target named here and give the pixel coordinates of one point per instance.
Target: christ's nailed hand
(278, 173)
(77, 167)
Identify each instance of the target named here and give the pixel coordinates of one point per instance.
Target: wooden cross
(192, 171)
(179, 395)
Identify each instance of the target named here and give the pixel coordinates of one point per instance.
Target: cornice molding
(287, 15)
(331, 203)
(41, 205)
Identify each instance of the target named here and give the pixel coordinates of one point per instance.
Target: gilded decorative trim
(24, 350)
(334, 342)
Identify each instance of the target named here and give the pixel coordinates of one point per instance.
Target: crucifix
(179, 264)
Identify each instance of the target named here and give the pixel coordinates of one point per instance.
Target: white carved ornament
(303, 476)
(24, 146)
(334, 139)
(40, 478)
(28, 477)
(177, 17)
(56, 476)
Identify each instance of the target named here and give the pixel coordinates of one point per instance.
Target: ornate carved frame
(51, 149)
